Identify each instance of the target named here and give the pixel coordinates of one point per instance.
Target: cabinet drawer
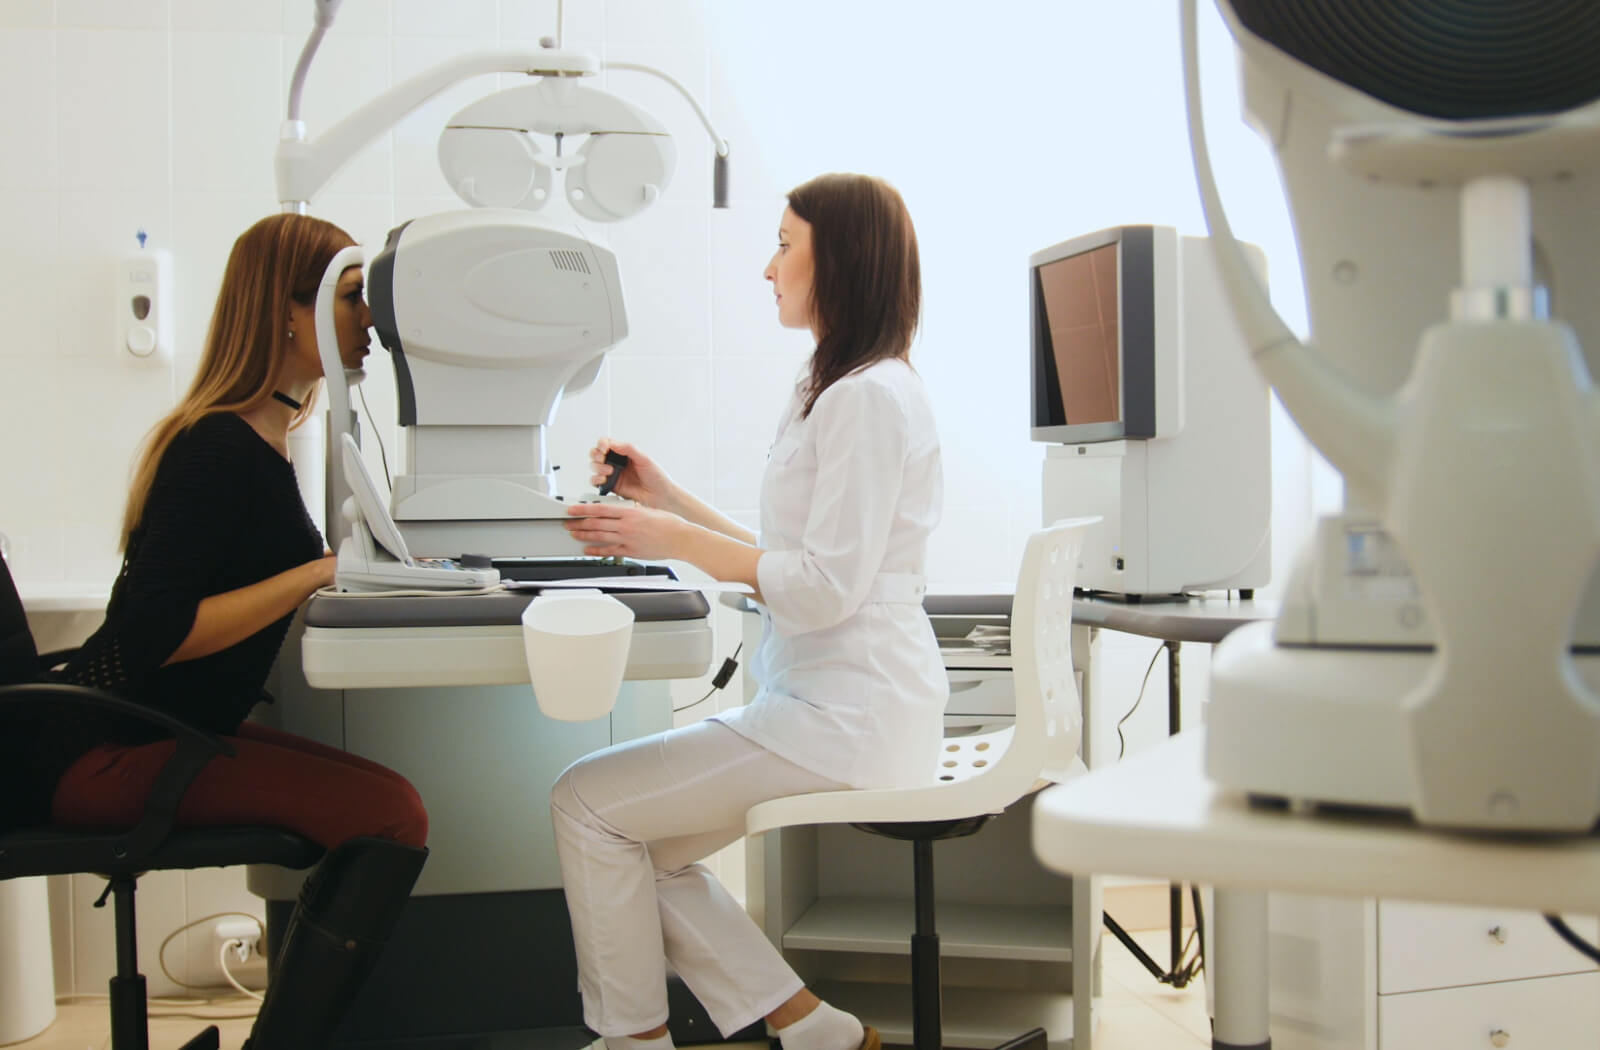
(1423, 946)
(1549, 1012)
(981, 693)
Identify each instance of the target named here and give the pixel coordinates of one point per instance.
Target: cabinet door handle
(1499, 1037)
(1497, 934)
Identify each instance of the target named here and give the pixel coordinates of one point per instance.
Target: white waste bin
(27, 969)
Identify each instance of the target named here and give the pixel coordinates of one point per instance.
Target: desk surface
(1185, 620)
(1157, 815)
(1191, 620)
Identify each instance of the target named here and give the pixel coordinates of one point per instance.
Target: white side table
(1157, 815)
(62, 615)
(27, 975)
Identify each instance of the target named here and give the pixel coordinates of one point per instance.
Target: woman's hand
(642, 481)
(612, 530)
(322, 571)
(226, 619)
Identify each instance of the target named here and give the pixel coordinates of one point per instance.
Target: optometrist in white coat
(852, 687)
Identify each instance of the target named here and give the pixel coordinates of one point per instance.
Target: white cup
(577, 647)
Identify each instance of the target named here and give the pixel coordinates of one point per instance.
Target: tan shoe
(870, 1039)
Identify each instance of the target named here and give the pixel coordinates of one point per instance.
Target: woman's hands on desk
(322, 571)
(226, 619)
(669, 523)
(613, 530)
(618, 530)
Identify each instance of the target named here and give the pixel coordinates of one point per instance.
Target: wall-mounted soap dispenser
(144, 304)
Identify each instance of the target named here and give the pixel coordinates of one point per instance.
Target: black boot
(348, 906)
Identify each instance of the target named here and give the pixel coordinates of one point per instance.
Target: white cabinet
(1392, 975)
(1555, 1012)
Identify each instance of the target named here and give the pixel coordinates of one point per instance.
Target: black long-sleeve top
(224, 512)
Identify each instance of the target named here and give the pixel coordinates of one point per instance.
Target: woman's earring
(291, 333)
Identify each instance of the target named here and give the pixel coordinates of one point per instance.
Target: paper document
(634, 583)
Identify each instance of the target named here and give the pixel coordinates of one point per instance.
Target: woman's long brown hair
(866, 286)
(278, 260)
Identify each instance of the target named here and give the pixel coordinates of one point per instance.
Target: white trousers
(630, 823)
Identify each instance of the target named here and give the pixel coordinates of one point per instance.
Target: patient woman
(219, 552)
(852, 687)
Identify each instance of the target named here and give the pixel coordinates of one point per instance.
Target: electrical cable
(723, 676)
(1567, 934)
(378, 437)
(161, 952)
(222, 960)
(1122, 743)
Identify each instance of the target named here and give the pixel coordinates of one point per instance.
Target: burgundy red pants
(276, 779)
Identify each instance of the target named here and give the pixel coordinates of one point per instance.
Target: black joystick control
(618, 463)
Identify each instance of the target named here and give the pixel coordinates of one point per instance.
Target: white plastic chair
(981, 774)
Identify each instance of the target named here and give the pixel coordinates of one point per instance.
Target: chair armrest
(195, 748)
(87, 696)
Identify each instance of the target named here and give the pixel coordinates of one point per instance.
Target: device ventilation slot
(569, 260)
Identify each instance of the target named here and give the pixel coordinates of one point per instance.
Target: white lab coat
(852, 684)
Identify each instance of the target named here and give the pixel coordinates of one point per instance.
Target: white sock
(628, 1042)
(824, 1028)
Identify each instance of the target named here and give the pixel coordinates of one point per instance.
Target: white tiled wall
(1008, 125)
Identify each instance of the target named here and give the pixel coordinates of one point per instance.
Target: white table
(1157, 815)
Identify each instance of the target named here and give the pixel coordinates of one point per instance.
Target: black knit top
(224, 512)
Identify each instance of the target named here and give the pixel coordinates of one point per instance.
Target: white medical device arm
(1351, 427)
(717, 140)
(719, 171)
(338, 379)
(304, 167)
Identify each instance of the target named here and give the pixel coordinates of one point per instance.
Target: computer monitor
(1155, 417)
(1105, 358)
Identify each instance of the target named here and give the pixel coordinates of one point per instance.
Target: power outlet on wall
(237, 941)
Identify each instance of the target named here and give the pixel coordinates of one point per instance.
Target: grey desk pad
(483, 610)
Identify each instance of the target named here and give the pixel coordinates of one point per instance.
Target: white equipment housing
(497, 315)
(1446, 670)
(1182, 476)
(374, 557)
(491, 317)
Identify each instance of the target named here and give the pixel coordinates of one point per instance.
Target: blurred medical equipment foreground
(1425, 657)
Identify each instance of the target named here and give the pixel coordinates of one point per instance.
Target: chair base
(208, 1039)
(926, 1011)
(1036, 1039)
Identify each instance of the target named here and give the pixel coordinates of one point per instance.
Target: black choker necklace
(279, 395)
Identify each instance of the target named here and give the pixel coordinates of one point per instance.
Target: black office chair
(120, 856)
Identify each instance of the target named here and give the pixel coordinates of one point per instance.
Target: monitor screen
(1094, 337)
(1080, 313)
